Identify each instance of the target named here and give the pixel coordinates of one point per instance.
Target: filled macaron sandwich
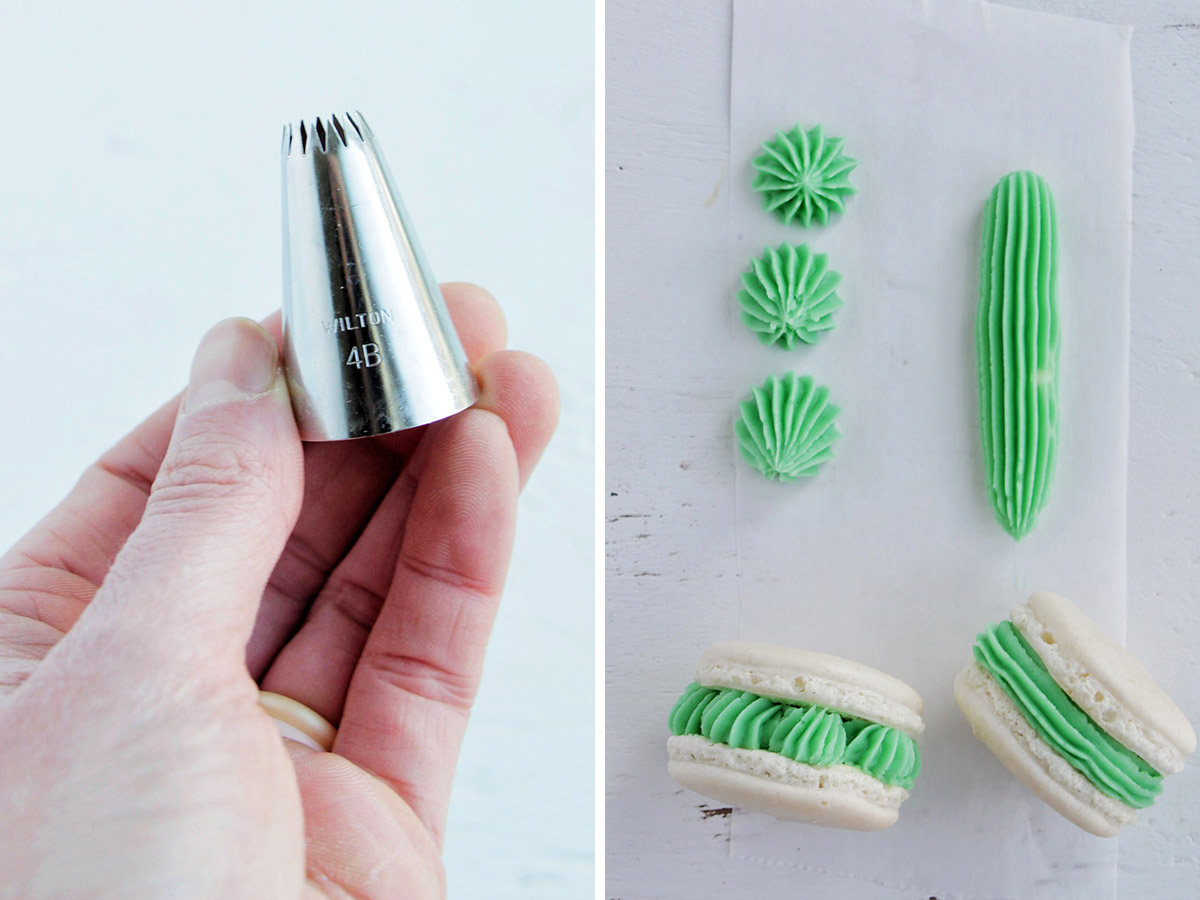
(799, 735)
(1072, 714)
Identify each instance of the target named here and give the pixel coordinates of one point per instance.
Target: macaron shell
(807, 676)
(1003, 730)
(1106, 681)
(831, 797)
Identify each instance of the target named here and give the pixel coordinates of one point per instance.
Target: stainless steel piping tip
(368, 345)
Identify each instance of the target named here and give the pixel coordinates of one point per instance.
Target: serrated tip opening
(324, 133)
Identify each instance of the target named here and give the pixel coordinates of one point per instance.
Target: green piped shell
(886, 754)
(804, 176)
(814, 735)
(787, 430)
(688, 711)
(789, 296)
(1017, 336)
(717, 721)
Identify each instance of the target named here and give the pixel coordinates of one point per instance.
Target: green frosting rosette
(803, 176)
(787, 430)
(789, 295)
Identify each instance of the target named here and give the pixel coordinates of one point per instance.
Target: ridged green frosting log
(1017, 334)
(808, 734)
(787, 430)
(804, 176)
(1113, 768)
(789, 295)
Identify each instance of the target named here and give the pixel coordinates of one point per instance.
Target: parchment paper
(892, 556)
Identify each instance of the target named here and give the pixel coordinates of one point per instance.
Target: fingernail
(236, 359)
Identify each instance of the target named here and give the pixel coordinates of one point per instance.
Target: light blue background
(139, 204)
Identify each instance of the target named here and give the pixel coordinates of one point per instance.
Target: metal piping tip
(368, 345)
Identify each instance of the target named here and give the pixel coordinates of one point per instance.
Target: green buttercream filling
(1017, 340)
(808, 734)
(1114, 769)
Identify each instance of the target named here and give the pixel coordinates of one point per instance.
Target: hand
(209, 553)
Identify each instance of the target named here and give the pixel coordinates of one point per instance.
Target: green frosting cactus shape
(804, 176)
(787, 430)
(1017, 335)
(789, 295)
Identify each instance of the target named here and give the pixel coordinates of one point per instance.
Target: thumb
(189, 579)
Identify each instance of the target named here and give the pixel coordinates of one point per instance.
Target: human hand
(210, 553)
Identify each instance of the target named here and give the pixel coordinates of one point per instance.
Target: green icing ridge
(803, 176)
(881, 752)
(1017, 339)
(1113, 768)
(789, 295)
(787, 430)
(808, 734)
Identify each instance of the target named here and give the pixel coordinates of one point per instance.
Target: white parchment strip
(892, 556)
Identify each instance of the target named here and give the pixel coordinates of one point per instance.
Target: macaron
(799, 735)
(1072, 714)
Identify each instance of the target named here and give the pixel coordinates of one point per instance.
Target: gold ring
(297, 722)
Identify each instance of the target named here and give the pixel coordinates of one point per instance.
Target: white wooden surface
(669, 504)
(140, 203)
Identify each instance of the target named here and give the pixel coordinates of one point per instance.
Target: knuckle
(451, 573)
(424, 677)
(204, 468)
(354, 604)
